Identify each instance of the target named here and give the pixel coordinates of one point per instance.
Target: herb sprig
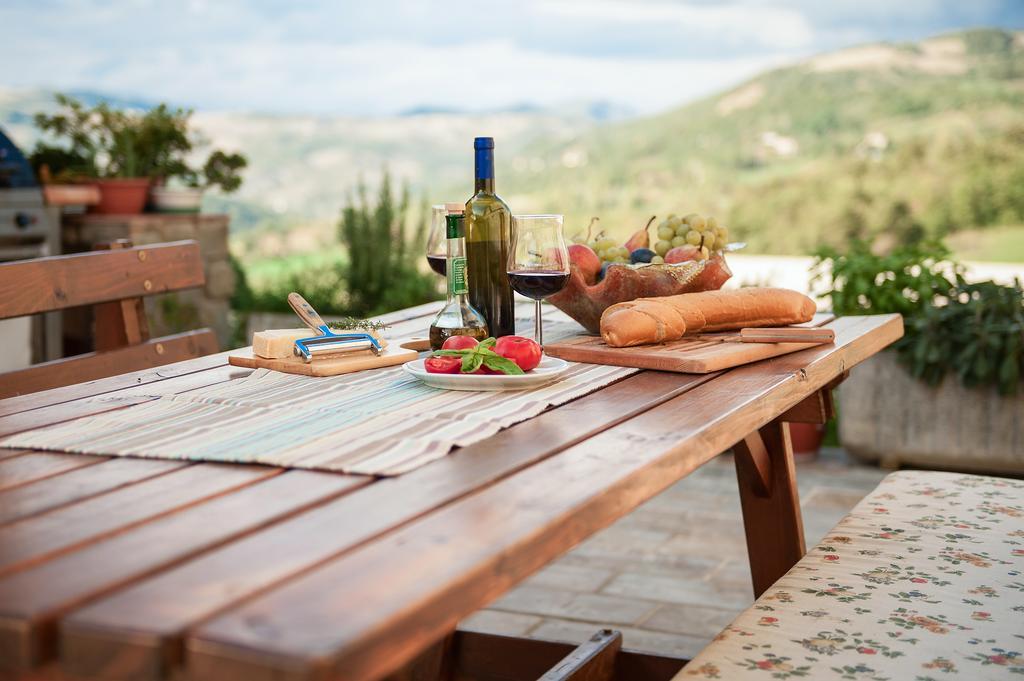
(353, 323)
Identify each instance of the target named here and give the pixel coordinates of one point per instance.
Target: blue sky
(374, 57)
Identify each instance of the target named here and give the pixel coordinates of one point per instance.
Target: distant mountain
(897, 138)
(302, 168)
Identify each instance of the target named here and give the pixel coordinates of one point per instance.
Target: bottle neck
(484, 172)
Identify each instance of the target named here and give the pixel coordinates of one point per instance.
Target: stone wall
(171, 312)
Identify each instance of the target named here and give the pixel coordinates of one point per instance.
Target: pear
(640, 238)
(580, 237)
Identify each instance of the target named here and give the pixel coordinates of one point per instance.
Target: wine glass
(538, 261)
(437, 241)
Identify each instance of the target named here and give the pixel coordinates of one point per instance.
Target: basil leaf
(487, 343)
(471, 362)
(503, 364)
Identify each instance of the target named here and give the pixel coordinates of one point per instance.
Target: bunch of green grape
(609, 250)
(693, 230)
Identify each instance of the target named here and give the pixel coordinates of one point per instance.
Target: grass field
(263, 270)
(995, 244)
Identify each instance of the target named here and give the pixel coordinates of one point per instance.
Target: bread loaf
(659, 320)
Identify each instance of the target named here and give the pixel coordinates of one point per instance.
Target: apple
(586, 261)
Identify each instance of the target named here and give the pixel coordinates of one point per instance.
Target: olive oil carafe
(457, 317)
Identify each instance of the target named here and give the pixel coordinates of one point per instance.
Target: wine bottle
(458, 317)
(488, 227)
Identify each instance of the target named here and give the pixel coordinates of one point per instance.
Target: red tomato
(460, 343)
(523, 351)
(443, 365)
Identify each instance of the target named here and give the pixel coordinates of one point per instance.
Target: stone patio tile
(674, 590)
(699, 544)
(633, 638)
(502, 623)
(623, 539)
(694, 567)
(562, 575)
(694, 620)
(587, 607)
(827, 497)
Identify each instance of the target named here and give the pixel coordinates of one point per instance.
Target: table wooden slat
(8, 453)
(369, 612)
(81, 483)
(137, 631)
(32, 600)
(35, 539)
(26, 468)
(66, 411)
(46, 398)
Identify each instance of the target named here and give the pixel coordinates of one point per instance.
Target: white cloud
(388, 55)
(772, 26)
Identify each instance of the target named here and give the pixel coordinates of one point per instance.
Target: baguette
(657, 320)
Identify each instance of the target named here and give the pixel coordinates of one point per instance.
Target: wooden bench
(924, 579)
(114, 280)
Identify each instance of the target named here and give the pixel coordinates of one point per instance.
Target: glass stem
(538, 326)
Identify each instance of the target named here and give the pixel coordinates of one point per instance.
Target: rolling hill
(899, 139)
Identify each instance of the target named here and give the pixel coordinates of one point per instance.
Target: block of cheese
(280, 343)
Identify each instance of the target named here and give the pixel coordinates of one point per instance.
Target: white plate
(547, 371)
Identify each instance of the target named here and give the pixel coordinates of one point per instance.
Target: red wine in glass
(439, 263)
(538, 284)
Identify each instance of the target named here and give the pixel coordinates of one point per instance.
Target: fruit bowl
(688, 256)
(584, 298)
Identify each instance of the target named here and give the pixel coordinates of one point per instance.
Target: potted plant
(125, 152)
(947, 394)
(220, 170)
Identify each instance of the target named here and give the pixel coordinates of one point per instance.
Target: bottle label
(457, 284)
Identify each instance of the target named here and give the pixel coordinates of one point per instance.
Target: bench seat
(923, 580)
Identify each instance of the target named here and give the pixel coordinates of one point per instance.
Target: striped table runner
(381, 422)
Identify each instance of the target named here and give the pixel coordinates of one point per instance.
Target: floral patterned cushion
(923, 580)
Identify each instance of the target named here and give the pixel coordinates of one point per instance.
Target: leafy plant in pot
(220, 170)
(963, 347)
(124, 152)
(121, 151)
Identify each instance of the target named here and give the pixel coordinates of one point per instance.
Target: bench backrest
(113, 280)
(62, 281)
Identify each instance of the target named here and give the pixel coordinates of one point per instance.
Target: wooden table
(130, 568)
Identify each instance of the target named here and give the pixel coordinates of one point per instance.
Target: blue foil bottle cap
(483, 143)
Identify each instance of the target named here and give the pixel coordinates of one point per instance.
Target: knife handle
(306, 312)
(787, 335)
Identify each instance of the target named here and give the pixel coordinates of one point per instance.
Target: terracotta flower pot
(806, 438)
(122, 196)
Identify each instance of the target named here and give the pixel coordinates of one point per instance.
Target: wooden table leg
(771, 503)
(434, 664)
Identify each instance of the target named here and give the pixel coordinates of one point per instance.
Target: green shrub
(974, 330)
(384, 264)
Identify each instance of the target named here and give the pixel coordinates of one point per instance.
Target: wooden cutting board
(398, 352)
(687, 355)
